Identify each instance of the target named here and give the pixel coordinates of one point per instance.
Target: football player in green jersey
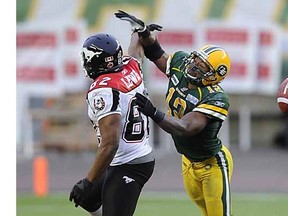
(197, 107)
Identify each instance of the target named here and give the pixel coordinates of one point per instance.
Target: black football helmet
(101, 53)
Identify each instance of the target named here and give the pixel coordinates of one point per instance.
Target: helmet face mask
(207, 66)
(195, 69)
(101, 53)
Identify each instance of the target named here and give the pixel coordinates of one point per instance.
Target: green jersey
(209, 100)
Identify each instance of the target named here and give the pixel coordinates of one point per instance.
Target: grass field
(150, 204)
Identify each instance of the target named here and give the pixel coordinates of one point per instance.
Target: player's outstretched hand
(145, 105)
(80, 191)
(147, 108)
(137, 25)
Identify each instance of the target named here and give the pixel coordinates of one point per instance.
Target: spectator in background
(124, 161)
(197, 107)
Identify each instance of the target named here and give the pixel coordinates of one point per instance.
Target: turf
(168, 204)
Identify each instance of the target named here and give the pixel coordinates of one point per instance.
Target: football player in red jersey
(197, 107)
(124, 160)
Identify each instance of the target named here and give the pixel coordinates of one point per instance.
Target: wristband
(145, 33)
(154, 51)
(158, 116)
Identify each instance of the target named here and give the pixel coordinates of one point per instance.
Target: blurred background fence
(51, 88)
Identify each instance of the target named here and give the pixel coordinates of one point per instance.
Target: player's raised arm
(151, 46)
(135, 48)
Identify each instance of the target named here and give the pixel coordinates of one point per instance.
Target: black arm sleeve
(154, 51)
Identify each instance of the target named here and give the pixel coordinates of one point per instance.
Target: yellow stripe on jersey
(215, 108)
(212, 110)
(200, 93)
(177, 69)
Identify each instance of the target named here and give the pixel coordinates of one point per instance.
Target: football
(282, 96)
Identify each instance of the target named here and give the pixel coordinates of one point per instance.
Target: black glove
(147, 108)
(153, 27)
(137, 25)
(80, 191)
